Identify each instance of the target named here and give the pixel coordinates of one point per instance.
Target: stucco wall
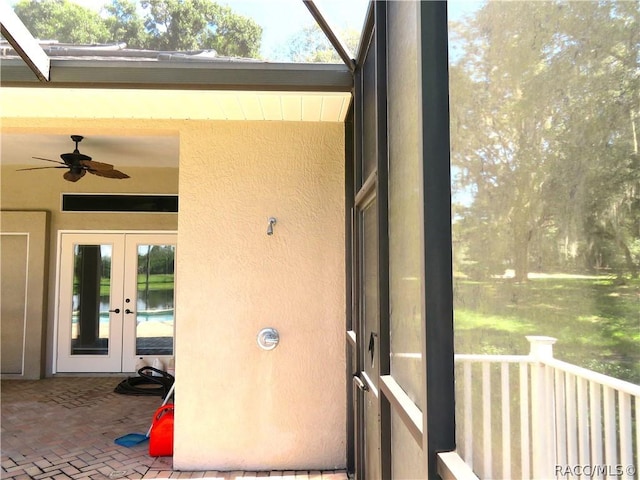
(23, 256)
(249, 408)
(239, 407)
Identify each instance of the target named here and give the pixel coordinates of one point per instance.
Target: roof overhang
(29, 65)
(239, 76)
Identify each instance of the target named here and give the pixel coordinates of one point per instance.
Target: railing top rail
(464, 357)
(617, 384)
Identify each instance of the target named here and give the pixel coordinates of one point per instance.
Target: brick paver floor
(64, 428)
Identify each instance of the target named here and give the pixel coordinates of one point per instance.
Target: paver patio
(64, 428)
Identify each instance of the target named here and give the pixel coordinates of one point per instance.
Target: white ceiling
(174, 104)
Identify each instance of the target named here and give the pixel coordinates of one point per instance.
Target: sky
(281, 19)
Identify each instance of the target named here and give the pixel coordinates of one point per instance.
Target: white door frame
(120, 323)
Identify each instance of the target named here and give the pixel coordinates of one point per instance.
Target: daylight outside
(545, 168)
(193, 30)
(545, 124)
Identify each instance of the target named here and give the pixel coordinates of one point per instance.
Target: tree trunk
(522, 240)
(521, 261)
(627, 256)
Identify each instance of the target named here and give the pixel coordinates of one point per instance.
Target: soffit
(19, 102)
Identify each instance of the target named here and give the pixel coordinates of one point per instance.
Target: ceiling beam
(23, 42)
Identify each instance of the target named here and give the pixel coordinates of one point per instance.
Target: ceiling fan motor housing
(75, 157)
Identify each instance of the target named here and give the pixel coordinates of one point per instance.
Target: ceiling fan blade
(112, 173)
(92, 165)
(35, 168)
(49, 160)
(74, 176)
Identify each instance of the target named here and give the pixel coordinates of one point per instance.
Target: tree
(544, 103)
(200, 24)
(311, 45)
(61, 20)
(125, 24)
(182, 25)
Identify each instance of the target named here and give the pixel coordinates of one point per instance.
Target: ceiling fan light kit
(79, 164)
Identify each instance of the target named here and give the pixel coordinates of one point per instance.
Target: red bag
(161, 437)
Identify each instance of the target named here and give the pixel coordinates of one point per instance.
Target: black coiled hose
(146, 383)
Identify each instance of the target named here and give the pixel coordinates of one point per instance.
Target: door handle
(115, 310)
(359, 383)
(127, 311)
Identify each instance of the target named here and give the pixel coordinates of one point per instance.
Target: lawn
(156, 282)
(596, 319)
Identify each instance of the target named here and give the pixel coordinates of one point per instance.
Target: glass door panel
(91, 294)
(149, 319)
(90, 308)
(155, 292)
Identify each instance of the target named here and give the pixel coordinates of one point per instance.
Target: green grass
(595, 319)
(156, 282)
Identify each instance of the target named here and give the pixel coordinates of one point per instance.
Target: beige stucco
(249, 408)
(23, 255)
(238, 406)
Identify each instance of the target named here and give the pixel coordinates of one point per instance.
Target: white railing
(533, 416)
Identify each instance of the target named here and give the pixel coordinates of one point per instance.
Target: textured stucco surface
(249, 408)
(238, 407)
(23, 267)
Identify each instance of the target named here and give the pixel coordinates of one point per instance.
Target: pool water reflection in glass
(155, 300)
(154, 303)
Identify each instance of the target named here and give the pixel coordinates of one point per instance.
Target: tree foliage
(310, 45)
(61, 20)
(181, 25)
(545, 108)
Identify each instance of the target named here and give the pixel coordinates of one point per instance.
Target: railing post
(542, 411)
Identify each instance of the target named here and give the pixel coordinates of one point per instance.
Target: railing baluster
(610, 446)
(583, 422)
(561, 418)
(572, 423)
(626, 447)
(486, 421)
(525, 447)
(542, 415)
(550, 422)
(506, 420)
(595, 417)
(468, 416)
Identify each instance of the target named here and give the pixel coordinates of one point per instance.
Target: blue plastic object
(131, 439)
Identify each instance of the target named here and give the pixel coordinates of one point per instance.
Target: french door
(115, 300)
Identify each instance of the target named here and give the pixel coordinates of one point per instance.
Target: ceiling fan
(79, 164)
